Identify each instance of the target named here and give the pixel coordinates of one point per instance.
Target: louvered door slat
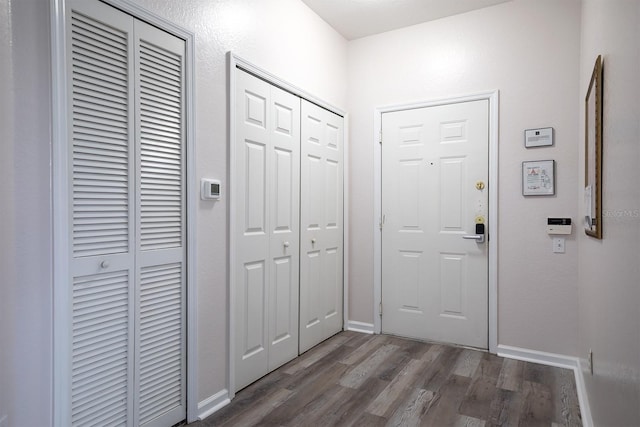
(165, 99)
(111, 71)
(161, 201)
(162, 114)
(100, 341)
(100, 171)
(161, 340)
(160, 163)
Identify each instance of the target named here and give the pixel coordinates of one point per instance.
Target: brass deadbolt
(480, 185)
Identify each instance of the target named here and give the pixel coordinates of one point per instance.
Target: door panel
(100, 349)
(160, 283)
(434, 282)
(102, 218)
(160, 374)
(267, 207)
(126, 104)
(253, 238)
(284, 251)
(256, 159)
(321, 207)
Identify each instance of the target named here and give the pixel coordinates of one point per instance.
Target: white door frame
(236, 61)
(493, 98)
(60, 195)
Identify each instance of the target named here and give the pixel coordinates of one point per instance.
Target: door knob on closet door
(313, 241)
(286, 245)
(104, 264)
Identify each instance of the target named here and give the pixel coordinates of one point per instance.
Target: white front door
(434, 194)
(321, 219)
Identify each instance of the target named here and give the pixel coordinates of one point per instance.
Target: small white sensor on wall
(210, 189)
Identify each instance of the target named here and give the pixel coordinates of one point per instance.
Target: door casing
(493, 98)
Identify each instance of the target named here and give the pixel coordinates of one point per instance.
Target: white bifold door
(267, 236)
(321, 236)
(287, 187)
(126, 290)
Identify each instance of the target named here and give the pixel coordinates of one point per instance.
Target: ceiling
(360, 18)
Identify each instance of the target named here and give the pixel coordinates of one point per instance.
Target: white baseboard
(213, 403)
(365, 328)
(550, 359)
(559, 361)
(583, 398)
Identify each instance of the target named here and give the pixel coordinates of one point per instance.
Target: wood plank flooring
(356, 379)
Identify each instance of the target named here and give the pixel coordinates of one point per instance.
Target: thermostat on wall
(210, 189)
(558, 225)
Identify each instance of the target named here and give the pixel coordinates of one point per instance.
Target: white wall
(529, 50)
(610, 268)
(7, 272)
(25, 277)
(6, 212)
(284, 37)
(281, 36)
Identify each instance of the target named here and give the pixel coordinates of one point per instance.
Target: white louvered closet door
(160, 229)
(126, 156)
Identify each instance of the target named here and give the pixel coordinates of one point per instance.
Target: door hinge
(380, 138)
(381, 223)
(380, 309)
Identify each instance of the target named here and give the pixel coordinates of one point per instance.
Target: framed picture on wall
(542, 137)
(538, 178)
(593, 154)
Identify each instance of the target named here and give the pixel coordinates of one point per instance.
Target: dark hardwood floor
(355, 379)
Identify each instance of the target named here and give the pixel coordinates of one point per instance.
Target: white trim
(235, 61)
(583, 396)
(239, 62)
(365, 328)
(60, 196)
(558, 361)
(345, 223)
(231, 295)
(493, 98)
(212, 404)
(535, 356)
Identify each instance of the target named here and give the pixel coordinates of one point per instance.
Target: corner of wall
(558, 361)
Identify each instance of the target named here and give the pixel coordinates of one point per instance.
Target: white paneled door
(321, 219)
(435, 205)
(267, 207)
(288, 227)
(127, 222)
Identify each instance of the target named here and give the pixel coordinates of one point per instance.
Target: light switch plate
(558, 245)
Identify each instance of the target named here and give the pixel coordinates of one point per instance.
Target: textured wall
(529, 50)
(7, 271)
(282, 36)
(26, 242)
(610, 268)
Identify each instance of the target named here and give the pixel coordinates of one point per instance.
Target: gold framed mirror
(593, 154)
